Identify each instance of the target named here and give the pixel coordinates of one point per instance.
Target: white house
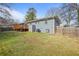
(45, 25)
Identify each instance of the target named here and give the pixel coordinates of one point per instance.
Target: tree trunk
(78, 16)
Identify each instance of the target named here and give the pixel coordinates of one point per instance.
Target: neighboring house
(45, 25)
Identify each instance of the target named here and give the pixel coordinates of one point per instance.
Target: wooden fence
(68, 31)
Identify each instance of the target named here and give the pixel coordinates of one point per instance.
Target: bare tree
(67, 9)
(5, 14)
(54, 12)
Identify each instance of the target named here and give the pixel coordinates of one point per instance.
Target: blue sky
(40, 7)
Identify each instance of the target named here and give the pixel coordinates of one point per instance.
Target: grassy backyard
(36, 44)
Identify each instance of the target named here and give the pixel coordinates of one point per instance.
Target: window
(38, 22)
(47, 30)
(29, 23)
(45, 22)
(35, 22)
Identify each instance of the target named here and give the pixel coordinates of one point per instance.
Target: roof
(43, 19)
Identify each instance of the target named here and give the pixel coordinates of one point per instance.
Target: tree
(54, 12)
(31, 14)
(76, 5)
(78, 15)
(67, 9)
(5, 13)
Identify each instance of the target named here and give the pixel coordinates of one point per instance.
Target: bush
(38, 30)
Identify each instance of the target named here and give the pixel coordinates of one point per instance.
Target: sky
(20, 9)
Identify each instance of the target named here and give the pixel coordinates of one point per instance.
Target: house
(45, 25)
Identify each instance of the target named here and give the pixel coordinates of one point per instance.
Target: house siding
(48, 27)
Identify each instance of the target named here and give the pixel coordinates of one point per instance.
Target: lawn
(37, 44)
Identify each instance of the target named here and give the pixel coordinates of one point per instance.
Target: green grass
(37, 44)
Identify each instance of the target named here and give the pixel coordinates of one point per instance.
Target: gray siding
(44, 27)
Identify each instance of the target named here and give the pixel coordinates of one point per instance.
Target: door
(33, 28)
